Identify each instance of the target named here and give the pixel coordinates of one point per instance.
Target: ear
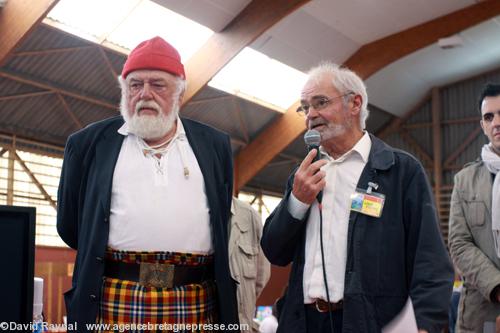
(357, 101)
(181, 96)
(482, 126)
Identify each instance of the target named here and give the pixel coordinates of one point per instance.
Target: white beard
(333, 131)
(150, 127)
(330, 131)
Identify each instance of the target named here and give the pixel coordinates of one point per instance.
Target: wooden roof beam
(108, 63)
(55, 89)
(396, 124)
(369, 59)
(17, 19)
(78, 124)
(51, 51)
(25, 95)
(463, 146)
(267, 145)
(35, 181)
(257, 17)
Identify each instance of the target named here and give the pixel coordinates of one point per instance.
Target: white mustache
(316, 122)
(147, 104)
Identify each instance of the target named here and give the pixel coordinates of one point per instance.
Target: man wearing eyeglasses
(374, 237)
(475, 225)
(145, 200)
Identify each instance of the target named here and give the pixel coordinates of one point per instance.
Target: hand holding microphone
(309, 180)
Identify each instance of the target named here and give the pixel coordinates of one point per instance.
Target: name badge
(367, 202)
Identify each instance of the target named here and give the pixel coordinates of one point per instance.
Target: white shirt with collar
(154, 205)
(342, 176)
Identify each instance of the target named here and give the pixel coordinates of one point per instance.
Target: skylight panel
(256, 77)
(150, 19)
(126, 23)
(92, 18)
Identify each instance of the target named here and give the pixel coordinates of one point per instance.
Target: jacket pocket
(475, 212)
(249, 256)
(469, 317)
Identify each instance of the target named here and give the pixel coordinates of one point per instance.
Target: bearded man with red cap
(145, 200)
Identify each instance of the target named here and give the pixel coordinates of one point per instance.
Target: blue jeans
(452, 312)
(319, 322)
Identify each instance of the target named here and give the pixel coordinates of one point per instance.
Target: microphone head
(312, 138)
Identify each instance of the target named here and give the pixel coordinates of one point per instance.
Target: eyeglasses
(488, 117)
(319, 103)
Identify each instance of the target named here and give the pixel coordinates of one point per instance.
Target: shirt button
(99, 259)
(93, 297)
(106, 219)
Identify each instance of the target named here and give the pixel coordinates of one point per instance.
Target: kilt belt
(157, 288)
(158, 275)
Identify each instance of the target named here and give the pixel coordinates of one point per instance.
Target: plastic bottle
(38, 305)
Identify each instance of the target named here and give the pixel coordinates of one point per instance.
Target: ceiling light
(450, 42)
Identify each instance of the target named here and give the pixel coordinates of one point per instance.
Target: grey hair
(345, 81)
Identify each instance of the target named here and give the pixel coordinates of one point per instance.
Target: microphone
(312, 138)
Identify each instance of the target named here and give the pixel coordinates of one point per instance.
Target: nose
(495, 122)
(496, 118)
(146, 91)
(312, 113)
(311, 116)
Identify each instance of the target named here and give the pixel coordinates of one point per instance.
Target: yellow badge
(367, 202)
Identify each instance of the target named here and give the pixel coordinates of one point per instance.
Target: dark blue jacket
(84, 200)
(389, 258)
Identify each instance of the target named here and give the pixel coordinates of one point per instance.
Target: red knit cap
(154, 53)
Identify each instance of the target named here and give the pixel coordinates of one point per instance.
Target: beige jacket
(472, 249)
(248, 265)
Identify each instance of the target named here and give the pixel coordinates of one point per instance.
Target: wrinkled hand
(309, 179)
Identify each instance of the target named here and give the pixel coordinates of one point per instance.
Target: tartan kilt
(130, 304)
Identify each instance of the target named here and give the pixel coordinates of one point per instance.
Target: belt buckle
(156, 275)
(319, 303)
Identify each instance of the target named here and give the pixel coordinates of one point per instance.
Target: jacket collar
(484, 181)
(381, 154)
(107, 151)
(200, 143)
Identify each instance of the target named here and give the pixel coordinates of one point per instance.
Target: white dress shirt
(342, 176)
(154, 205)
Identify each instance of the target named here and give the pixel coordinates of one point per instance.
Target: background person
(249, 266)
(475, 224)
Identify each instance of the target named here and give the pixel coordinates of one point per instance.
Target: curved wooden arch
(369, 59)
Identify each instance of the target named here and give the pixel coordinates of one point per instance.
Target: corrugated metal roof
(238, 117)
(44, 37)
(80, 70)
(9, 88)
(423, 115)
(88, 113)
